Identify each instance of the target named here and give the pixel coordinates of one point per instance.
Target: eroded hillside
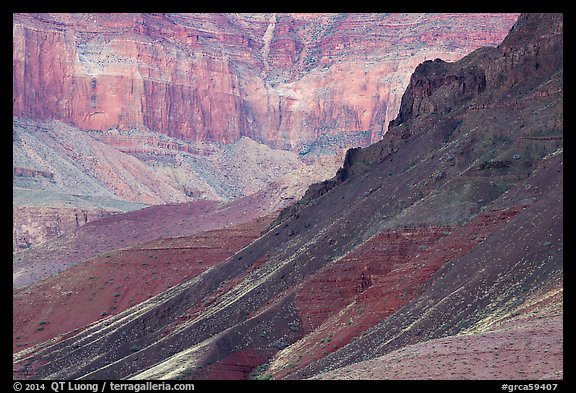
(445, 237)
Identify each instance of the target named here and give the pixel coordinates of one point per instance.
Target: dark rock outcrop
(452, 224)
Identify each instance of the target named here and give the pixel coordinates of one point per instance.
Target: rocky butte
(434, 253)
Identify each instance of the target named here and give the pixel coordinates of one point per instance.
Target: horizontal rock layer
(35, 225)
(448, 232)
(282, 79)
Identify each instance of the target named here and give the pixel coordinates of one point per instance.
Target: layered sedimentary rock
(52, 156)
(60, 171)
(35, 225)
(445, 236)
(512, 350)
(168, 89)
(118, 280)
(283, 79)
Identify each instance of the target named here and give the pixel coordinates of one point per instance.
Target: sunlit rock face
(434, 253)
(281, 79)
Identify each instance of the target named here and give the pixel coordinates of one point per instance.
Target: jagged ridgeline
(113, 112)
(436, 252)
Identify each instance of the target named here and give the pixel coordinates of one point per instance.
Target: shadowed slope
(487, 178)
(124, 230)
(113, 282)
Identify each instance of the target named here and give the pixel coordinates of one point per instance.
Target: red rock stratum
(282, 79)
(436, 252)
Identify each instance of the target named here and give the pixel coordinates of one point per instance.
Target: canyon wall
(444, 238)
(34, 225)
(180, 94)
(61, 172)
(281, 79)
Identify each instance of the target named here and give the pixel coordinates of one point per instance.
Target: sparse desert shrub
(326, 340)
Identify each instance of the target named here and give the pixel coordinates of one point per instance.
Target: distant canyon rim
(274, 196)
(142, 109)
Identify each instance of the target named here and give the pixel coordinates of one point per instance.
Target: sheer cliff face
(444, 238)
(282, 79)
